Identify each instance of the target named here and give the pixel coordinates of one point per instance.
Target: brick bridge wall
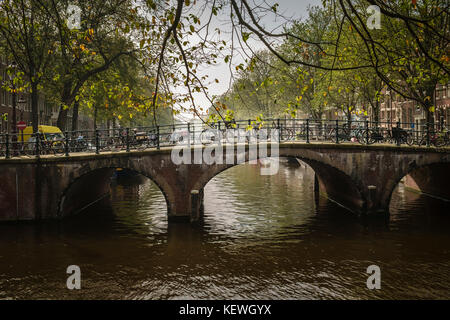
(358, 177)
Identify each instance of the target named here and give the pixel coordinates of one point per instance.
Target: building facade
(394, 108)
(410, 114)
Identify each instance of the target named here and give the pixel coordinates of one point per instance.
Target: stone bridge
(359, 177)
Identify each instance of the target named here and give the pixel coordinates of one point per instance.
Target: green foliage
(405, 56)
(140, 61)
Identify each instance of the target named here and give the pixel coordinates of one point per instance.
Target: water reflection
(263, 237)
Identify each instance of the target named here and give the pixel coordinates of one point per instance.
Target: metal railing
(246, 131)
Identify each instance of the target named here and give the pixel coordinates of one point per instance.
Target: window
(441, 93)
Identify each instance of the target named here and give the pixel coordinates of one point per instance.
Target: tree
(255, 90)
(80, 54)
(122, 92)
(410, 52)
(182, 21)
(28, 37)
(310, 80)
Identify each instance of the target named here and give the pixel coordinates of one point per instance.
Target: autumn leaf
(245, 36)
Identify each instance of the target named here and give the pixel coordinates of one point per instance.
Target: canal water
(263, 237)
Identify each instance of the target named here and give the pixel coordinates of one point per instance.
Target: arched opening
(338, 186)
(241, 201)
(425, 187)
(118, 185)
(432, 180)
(240, 192)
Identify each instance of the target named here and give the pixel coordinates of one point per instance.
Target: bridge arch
(430, 178)
(89, 187)
(333, 182)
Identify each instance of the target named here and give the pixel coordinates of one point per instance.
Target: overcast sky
(295, 9)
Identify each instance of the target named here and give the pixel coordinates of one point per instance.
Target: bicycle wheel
(118, 143)
(439, 142)
(410, 139)
(206, 136)
(288, 134)
(422, 141)
(330, 135)
(58, 147)
(388, 138)
(361, 136)
(447, 138)
(303, 135)
(375, 136)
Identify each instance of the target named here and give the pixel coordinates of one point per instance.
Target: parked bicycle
(437, 139)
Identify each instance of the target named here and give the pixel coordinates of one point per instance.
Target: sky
(295, 9)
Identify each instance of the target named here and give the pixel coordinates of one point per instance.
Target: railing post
(189, 134)
(157, 137)
(279, 130)
(398, 134)
(307, 130)
(337, 131)
(194, 139)
(67, 144)
(238, 135)
(127, 141)
(249, 123)
(97, 142)
(428, 134)
(7, 155)
(36, 146)
(367, 131)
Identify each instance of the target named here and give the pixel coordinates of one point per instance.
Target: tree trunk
(429, 116)
(376, 112)
(13, 129)
(62, 118)
(349, 118)
(76, 106)
(108, 125)
(65, 99)
(34, 107)
(428, 103)
(95, 118)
